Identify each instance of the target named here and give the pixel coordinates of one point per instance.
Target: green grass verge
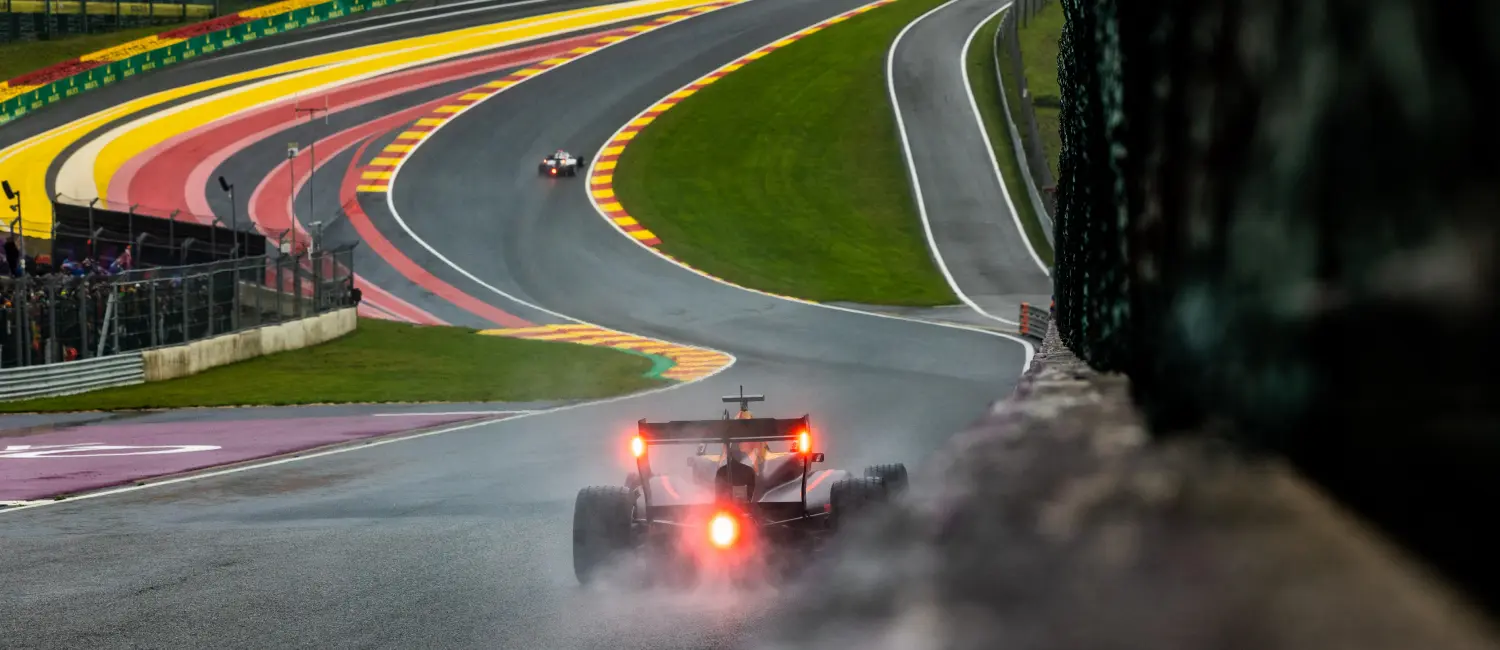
(383, 361)
(980, 60)
(787, 175)
(17, 59)
(1039, 47)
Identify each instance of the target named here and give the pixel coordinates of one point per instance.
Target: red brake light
(804, 443)
(723, 530)
(638, 446)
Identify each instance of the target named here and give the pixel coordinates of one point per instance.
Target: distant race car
(745, 512)
(561, 163)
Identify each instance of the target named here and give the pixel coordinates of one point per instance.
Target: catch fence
(57, 318)
(1280, 235)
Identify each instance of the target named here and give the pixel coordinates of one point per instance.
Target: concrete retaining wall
(1057, 522)
(195, 357)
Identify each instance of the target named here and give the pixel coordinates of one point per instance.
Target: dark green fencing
(37, 20)
(1280, 219)
(20, 105)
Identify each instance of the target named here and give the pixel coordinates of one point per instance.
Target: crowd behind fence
(64, 317)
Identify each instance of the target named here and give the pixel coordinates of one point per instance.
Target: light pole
(234, 221)
(17, 225)
(312, 150)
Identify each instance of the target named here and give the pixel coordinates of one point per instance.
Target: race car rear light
(554, 171)
(804, 443)
(723, 530)
(638, 446)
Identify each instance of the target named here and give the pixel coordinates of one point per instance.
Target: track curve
(461, 539)
(543, 241)
(970, 217)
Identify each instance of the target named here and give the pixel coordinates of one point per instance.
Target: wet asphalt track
(462, 539)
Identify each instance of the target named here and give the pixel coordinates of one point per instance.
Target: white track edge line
(963, 66)
(377, 442)
(1030, 350)
(911, 167)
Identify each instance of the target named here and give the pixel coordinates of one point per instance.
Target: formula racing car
(741, 510)
(561, 163)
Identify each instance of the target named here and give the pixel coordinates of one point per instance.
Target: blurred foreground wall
(1281, 218)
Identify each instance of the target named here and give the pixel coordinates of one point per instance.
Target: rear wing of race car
(725, 432)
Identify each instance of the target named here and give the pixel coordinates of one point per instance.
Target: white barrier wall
(195, 357)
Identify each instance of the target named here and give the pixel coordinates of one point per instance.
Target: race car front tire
(601, 529)
(893, 475)
(852, 497)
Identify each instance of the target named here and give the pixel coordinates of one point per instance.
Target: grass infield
(382, 361)
(787, 175)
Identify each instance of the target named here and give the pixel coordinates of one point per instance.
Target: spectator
(122, 262)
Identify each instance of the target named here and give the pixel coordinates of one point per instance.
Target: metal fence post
(187, 306)
(51, 324)
(259, 311)
(116, 299)
(83, 319)
(297, 305)
(234, 299)
(211, 319)
(317, 278)
(153, 323)
(278, 289)
(16, 307)
(26, 319)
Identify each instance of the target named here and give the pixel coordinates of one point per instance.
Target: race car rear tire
(893, 475)
(601, 528)
(852, 497)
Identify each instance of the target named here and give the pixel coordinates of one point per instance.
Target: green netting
(1091, 302)
(1283, 216)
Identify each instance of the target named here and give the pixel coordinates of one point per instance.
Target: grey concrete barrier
(1033, 194)
(71, 376)
(193, 358)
